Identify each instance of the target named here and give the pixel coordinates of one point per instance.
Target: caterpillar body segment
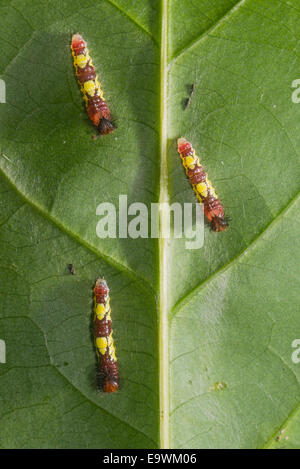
(203, 188)
(108, 365)
(96, 106)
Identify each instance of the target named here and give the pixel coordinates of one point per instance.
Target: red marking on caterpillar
(97, 108)
(108, 365)
(213, 209)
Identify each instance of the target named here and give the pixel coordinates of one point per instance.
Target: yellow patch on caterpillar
(202, 189)
(198, 195)
(100, 311)
(89, 88)
(101, 344)
(80, 61)
(189, 162)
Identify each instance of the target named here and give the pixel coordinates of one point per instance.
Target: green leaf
(204, 337)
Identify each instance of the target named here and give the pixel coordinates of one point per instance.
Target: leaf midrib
(132, 19)
(163, 199)
(206, 32)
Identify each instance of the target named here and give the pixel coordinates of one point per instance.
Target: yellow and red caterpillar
(213, 209)
(108, 365)
(96, 106)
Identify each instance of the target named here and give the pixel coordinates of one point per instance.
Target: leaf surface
(204, 337)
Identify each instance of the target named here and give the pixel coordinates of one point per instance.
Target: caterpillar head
(78, 43)
(184, 147)
(101, 288)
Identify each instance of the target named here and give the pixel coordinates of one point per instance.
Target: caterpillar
(96, 106)
(107, 360)
(213, 209)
